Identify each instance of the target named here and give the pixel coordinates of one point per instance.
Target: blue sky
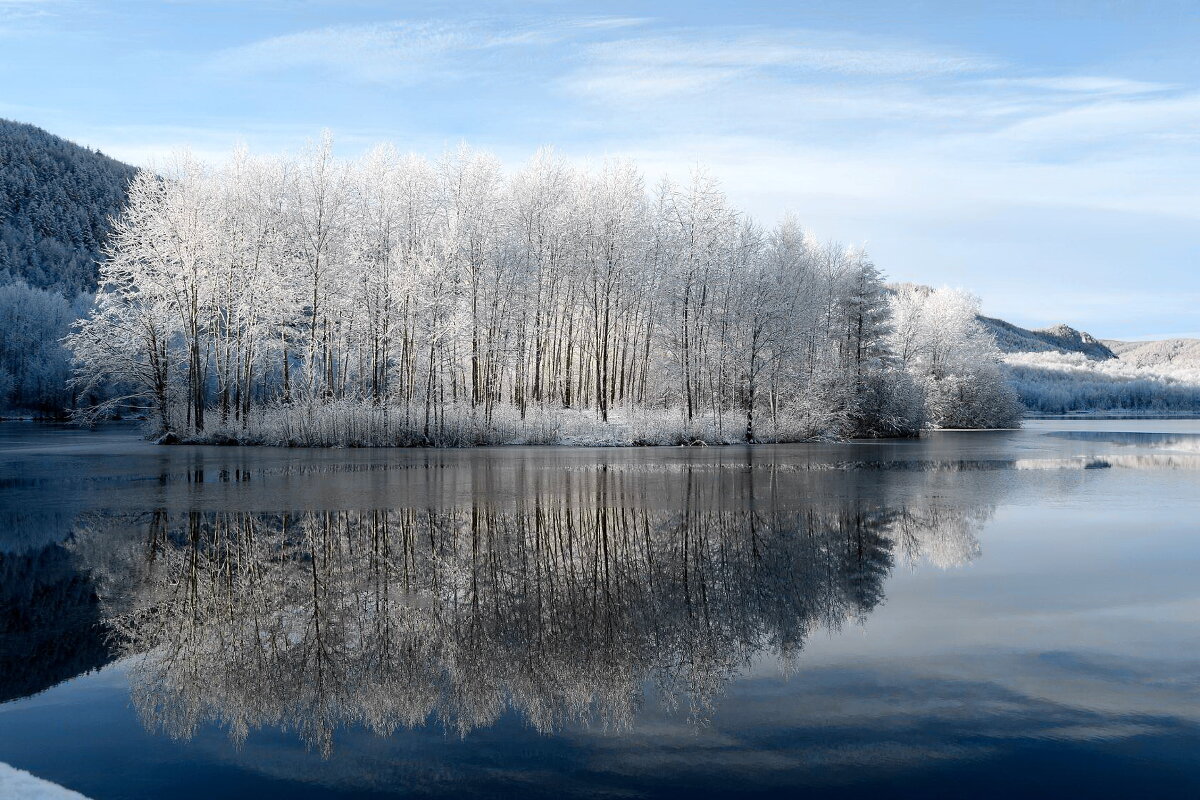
(1044, 156)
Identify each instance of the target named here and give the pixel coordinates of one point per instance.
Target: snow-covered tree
(954, 359)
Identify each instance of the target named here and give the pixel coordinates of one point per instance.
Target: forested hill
(1057, 339)
(1060, 370)
(56, 199)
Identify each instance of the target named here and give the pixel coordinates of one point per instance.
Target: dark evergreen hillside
(56, 199)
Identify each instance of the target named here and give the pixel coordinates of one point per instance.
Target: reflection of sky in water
(1065, 658)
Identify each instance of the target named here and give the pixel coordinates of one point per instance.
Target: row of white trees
(460, 301)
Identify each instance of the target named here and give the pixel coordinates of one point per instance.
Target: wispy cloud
(796, 49)
(1080, 84)
(1125, 121)
(19, 16)
(385, 52)
(689, 61)
(400, 51)
(905, 128)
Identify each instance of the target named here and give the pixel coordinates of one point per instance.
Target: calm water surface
(972, 614)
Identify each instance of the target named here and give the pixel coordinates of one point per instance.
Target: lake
(981, 614)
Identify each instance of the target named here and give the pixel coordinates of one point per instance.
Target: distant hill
(56, 203)
(56, 200)
(1061, 370)
(1165, 353)
(1057, 339)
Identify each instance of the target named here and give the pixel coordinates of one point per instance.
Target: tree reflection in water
(562, 603)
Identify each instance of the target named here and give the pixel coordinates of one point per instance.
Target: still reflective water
(971, 614)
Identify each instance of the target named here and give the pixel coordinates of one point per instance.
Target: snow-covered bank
(16, 784)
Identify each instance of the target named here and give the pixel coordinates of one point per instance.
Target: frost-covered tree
(939, 339)
(123, 358)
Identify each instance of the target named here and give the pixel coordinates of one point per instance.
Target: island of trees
(396, 300)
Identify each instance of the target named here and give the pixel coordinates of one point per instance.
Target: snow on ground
(16, 784)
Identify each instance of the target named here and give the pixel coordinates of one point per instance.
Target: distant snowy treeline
(1056, 383)
(397, 300)
(35, 367)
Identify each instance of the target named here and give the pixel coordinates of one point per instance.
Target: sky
(1044, 156)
